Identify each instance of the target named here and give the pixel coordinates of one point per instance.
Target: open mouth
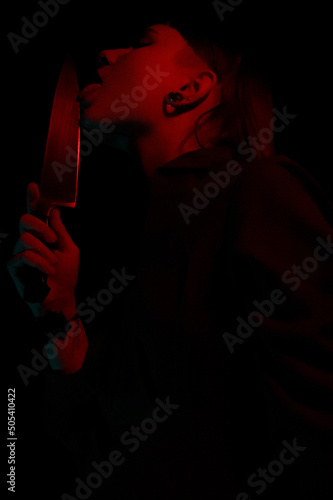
(87, 92)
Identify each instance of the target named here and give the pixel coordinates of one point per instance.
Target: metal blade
(58, 184)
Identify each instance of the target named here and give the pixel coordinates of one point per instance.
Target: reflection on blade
(58, 185)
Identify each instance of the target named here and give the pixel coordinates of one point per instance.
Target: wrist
(68, 354)
(58, 321)
(69, 309)
(65, 306)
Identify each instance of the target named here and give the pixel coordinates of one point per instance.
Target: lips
(88, 91)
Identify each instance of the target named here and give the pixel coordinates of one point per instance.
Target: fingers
(28, 258)
(64, 241)
(29, 242)
(30, 223)
(54, 232)
(30, 251)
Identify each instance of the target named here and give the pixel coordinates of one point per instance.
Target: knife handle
(37, 289)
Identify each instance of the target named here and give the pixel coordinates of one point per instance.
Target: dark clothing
(219, 322)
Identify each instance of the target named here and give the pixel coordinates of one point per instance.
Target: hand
(59, 264)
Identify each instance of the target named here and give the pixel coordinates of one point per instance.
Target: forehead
(166, 33)
(173, 40)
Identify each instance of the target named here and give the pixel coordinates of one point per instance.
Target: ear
(196, 89)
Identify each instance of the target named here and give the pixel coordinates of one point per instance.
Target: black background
(286, 39)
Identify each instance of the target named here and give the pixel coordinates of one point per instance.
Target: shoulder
(278, 180)
(272, 173)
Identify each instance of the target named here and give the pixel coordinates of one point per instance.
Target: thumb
(64, 241)
(32, 197)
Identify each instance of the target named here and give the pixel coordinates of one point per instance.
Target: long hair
(246, 106)
(244, 115)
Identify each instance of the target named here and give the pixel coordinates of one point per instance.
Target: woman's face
(136, 80)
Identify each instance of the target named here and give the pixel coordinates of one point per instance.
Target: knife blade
(58, 183)
(59, 177)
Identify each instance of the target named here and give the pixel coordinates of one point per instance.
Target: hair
(246, 103)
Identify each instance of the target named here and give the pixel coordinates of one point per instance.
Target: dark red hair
(246, 105)
(246, 99)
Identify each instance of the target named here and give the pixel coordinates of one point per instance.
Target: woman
(220, 377)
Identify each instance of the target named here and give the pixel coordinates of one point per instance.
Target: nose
(110, 56)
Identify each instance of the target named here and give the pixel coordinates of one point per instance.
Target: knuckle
(25, 238)
(28, 256)
(24, 218)
(29, 222)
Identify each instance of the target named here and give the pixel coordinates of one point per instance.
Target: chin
(87, 121)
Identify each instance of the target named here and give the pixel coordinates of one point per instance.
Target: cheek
(135, 100)
(136, 91)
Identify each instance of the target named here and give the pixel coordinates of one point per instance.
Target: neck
(164, 143)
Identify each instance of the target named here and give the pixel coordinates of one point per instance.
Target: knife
(59, 177)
